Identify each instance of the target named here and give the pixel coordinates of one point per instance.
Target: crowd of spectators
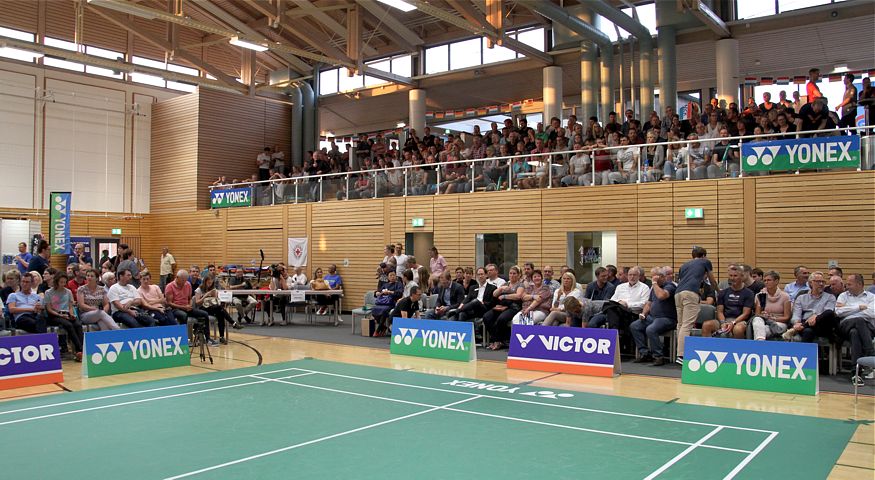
(751, 304)
(593, 152)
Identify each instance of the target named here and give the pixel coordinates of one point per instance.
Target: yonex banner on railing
(581, 351)
(112, 352)
(29, 360)
(59, 223)
(801, 154)
(786, 367)
(433, 339)
(232, 197)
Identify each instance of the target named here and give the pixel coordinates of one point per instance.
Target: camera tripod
(199, 337)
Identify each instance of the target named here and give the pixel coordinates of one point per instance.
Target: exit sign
(417, 222)
(116, 231)
(694, 212)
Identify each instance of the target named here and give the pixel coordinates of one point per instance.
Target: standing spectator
(278, 159)
(59, 310)
(104, 258)
(848, 106)
(154, 303)
(23, 258)
(126, 302)
(436, 264)
(79, 256)
(690, 278)
(167, 269)
(400, 259)
(40, 262)
(262, 161)
(811, 88)
(93, 303)
(26, 308)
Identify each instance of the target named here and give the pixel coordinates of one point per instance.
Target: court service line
(116, 395)
(683, 454)
(519, 400)
(317, 440)
(750, 456)
(142, 400)
(503, 417)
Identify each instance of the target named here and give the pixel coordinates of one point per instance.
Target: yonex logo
(407, 335)
(108, 351)
(760, 155)
(710, 360)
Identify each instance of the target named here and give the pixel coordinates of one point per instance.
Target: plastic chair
(868, 362)
(364, 309)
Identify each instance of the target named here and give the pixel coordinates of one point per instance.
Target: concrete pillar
(588, 71)
(727, 70)
(552, 93)
(309, 130)
(416, 115)
(297, 127)
(667, 63)
(608, 83)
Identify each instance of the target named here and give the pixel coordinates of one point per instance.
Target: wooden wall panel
(174, 160)
(702, 232)
(396, 219)
(516, 212)
(19, 15)
(338, 214)
(334, 244)
(297, 220)
(60, 19)
(655, 235)
(730, 222)
(243, 245)
(255, 218)
(419, 207)
(446, 230)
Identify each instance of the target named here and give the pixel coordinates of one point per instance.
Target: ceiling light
(399, 4)
(841, 68)
(244, 44)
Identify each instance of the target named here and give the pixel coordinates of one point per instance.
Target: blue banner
(28, 360)
(787, 367)
(59, 223)
(580, 351)
(801, 154)
(111, 352)
(433, 339)
(232, 197)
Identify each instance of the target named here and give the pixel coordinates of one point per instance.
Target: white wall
(90, 140)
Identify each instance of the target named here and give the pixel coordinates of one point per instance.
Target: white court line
(317, 440)
(683, 454)
(71, 402)
(515, 419)
(750, 457)
(142, 400)
(519, 400)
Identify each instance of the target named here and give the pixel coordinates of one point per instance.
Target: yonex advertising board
(28, 360)
(581, 351)
(785, 367)
(433, 339)
(801, 154)
(112, 352)
(231, 197)
(59, 223)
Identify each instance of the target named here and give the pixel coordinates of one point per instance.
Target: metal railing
(538, 170)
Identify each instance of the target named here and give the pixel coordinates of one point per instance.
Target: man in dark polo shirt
(734, 307)
(659, 316)
(690, 278)
(408, 307)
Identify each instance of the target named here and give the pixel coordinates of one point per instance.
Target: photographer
(207, 298)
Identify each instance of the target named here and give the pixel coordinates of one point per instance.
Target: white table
(307, 293)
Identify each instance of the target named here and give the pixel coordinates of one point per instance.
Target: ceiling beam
(708, 17)
(168, 47)
(383, 15)
(318, 13)
(469, 12)
(375, 24)
(390, 77)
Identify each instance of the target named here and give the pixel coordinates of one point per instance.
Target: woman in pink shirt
(772, 309)
(153, 301)
(437, 264)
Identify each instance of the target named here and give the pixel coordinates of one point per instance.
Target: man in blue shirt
(800, 284)
(79, 256)
(26, 308)
(40, 262)
(22, 260)
(734, 307)
(333, 279)
(690, 278)
(658, 317)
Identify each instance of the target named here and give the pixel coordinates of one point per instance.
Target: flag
(492, 109)
(505, 108)
(438, 115)
(298, 252)
(750, 80)
(460, 113)
(517, 106)
(470, 112)
(429, 115)
(481, 111)
(783, 80)
(835, 78)
(800, 80)
(767, 81)
(450, 114)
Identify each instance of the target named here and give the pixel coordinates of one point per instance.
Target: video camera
(275, 271)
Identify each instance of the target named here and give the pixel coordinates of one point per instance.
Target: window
(402, 65)
(437, 59)
(16, 54)
(348, 83)
(103, 53)
(148, 79)
(184, 70)
(57, 62)
(328, 81)
(497, 54)
(146, 62)
(497, 248)
(788, 5)
(181, 86)
(465, 54)
(533, 38)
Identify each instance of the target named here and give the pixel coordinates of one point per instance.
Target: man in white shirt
(400, 260)
(278, 158)
(168, 268)
(262, 161)
(626, 303)
(856, 308)
(492, 276)
(299, 278)
(124, 299)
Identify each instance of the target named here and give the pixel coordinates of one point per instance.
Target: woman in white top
(568, 288)
(578, 168)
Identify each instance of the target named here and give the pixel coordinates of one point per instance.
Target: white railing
(314, 183)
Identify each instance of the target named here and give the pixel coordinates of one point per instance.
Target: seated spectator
(654, 159)
(407, 307)
(178, 294)
(206, 297)
(801, 282)
(127, 303)
(323, 301)
(567, 288)
(772, 309)
(26, 308)
(725, 157)
(658, 317)
(479, 299)
(625, 304)
(59, 312)
(813, 313)
(836, 286)
(407, 280)
(734, 307)
(468, 282)
(298, 279)
(387, 294)
(856, 309)
(871, 288)
(245, 306)
(77, 278)
(11, 285)
(94, 304)
(153, 301)
(449, 295)
(579, 166)
(509, 303)
(536, 301)
(694, 155)
(79, 256)
(627, 163)
(548, 279)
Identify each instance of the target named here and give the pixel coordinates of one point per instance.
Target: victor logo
(26, 354)
(108, 351)
(567, 343)
(710, 360)
(760, 155)
(524, 341)
(406, 336)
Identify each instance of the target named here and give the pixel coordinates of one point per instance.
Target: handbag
(320, 285)
(385, 300)
(210, 302)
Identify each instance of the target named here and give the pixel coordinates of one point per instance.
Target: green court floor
(313, 419)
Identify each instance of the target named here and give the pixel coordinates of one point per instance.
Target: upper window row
(753, 9)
